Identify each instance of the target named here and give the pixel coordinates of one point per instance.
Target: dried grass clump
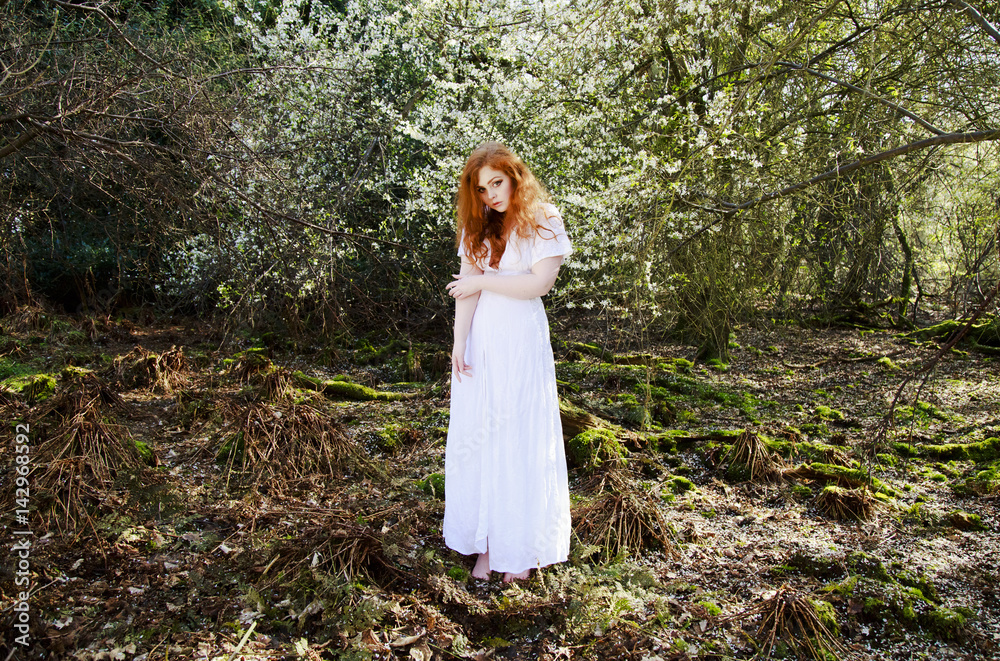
(248, 364)
(139, 368)
(339, 543)
(25, 319)
(277, 384)
(10, 403)
(791, 619)
(622, 518)
(847, 504)
(750, 459)
(86, 455)
(280, 442)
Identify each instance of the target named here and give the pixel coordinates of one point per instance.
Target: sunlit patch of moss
(631, 410)
(827, 615)
(33, 387)
(800, 491)
(827, 413)
(886, 459)
(340, 387)
(947, 623)
(983, 482)
(711, 608)
(593, 447)
(853, 475)
(815, 429)
(679, 485)
(966, 521)
(888, 365)
(987, 450)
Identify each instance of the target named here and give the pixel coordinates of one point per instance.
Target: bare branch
(976, 17)
(854, 88)
(19, 142)
(117, 30)
(840, 170)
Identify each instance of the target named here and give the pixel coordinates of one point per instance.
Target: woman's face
(494, 188)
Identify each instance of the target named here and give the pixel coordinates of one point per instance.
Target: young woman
(506, 494)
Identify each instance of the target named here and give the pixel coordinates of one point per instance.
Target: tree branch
(19, 142)
(840, 170)
(976, 17)
(854, 88)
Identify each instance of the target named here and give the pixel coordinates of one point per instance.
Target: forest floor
(192, 498)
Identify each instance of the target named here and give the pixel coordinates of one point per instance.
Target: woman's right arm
(465, 308)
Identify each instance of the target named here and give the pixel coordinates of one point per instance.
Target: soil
(276, 522)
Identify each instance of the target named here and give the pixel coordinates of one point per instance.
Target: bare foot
(509, 577)
(482, 568)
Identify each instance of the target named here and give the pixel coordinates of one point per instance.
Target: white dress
(505, 467)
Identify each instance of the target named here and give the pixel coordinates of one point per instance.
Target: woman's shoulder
(547, 215)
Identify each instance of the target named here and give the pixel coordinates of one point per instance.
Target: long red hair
(486, 230)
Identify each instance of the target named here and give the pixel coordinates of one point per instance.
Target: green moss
(340, 388)
(887, 459)
(72, 372)
(679, 485)
(884, 600)
(801, 491)
(460, 574)
(827, 413)
(683, 365)
(33, 387)
(433, 485)
(856, 476)
(665, 442)
(863, 564)
(984, 451)
(888, 364)
(145, 452)
(945, 623)
(919, 582)
(631, 410)
(593, 447)
(718, 364)
(591, 349)
(815, 428)
(983, 482)
(387, 439)
(711, 608)
(827, 615)
(966, 521)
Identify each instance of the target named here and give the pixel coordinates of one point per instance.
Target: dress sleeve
(551, 239)
(461, 245)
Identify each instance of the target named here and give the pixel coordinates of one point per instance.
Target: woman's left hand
(463, 286)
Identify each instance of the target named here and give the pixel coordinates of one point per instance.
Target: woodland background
(227, 230)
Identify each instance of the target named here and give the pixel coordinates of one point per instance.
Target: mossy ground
(348, 562)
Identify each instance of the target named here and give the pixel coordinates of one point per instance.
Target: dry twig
(623, 518)
(750, 455)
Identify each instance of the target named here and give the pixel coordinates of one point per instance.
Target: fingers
(460, 367)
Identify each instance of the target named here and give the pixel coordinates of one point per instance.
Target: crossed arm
(471, 280)
(529, 285)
